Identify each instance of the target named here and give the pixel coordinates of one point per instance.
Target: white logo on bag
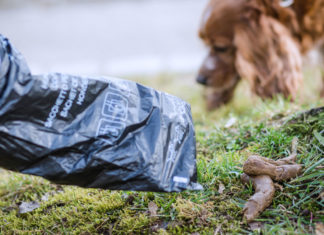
(109, 128)
(115, 108)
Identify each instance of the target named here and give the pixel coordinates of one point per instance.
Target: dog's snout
(202, 80)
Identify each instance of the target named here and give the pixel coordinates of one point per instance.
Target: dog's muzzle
(202, 80)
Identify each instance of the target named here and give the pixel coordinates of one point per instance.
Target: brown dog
(261, 41)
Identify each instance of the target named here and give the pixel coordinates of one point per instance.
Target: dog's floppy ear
(267, 55)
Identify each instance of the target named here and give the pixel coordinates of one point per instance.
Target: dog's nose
(202, 80)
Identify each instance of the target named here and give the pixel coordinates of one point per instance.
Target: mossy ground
(261, 127)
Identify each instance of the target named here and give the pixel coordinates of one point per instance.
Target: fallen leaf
(221, 188)
(294, 145)
(129, 198)
(153, 209)
(230, 122)
(319, 229)
(321, 196)
(218, 229)
(26, 207)
(255, 226)
(160, 227)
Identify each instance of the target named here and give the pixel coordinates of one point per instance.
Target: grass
(263, 127)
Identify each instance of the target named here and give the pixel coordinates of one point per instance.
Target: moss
(129, 223)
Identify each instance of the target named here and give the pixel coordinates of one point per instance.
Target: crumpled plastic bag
(98, 133)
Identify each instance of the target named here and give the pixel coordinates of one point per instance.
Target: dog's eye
(220, 49)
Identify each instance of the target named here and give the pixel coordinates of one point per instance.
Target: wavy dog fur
(260, 41)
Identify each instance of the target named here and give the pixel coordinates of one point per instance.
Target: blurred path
(116, 38)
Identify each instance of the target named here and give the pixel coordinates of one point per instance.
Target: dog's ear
(267, 55)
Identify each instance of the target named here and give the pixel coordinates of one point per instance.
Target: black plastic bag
(97, 133)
